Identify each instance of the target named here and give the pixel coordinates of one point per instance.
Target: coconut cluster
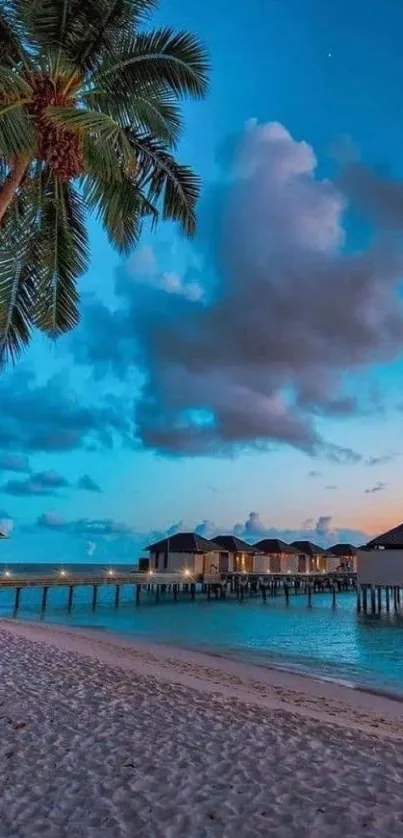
(58, 146)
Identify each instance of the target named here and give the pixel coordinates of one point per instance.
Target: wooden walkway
(212, 586)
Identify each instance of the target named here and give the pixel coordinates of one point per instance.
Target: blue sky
(160, 411)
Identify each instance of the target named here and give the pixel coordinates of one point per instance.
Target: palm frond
(115, 19)
(13, 84)
(18, 278)
(10, 46)
(63, 258)
(121, 208)
(150, 109)
(176, 59)
(165, 180)
(16, 133)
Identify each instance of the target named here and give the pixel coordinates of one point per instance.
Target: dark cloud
(261, 354)
(379, 487)
(51, 417)
(88, 484)
(43, 483)
(83, 526)
(14, 462)
(381, 460)
(381, 196)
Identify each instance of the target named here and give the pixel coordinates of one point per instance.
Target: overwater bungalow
(380, 561)
(235, 555)
(311, 557)
(184, 551)
(275, 556)
(346, 555)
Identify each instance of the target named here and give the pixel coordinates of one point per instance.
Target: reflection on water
(333, 643)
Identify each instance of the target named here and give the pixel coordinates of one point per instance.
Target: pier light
(7, 573)
(289, 572)
(63, 573)
(151, 572)
(186, 571)
(268, 571)
(111, 572)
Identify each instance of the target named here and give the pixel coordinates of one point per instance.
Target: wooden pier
(238, 586)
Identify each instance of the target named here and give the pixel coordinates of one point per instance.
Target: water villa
(312, 558)
(380, 561)
(190, 552)
(275, 556)
(236, 556)
(184, 552)
(346, 554)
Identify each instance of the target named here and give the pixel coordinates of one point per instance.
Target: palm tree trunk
(11, 184)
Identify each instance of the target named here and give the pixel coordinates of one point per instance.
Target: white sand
(106, 737)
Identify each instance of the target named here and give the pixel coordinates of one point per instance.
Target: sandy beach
(102, 736)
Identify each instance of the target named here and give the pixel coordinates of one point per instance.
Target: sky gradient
(250, 380)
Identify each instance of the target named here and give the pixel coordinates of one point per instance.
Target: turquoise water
(329, 643)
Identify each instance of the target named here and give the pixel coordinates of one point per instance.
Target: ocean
(336, 644)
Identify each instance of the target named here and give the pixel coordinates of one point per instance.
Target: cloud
(88, 484)
(83, 526)
(380, 460)
(320, 530)
(103, 540)
(43, 483)
(50, 417)
(144, 269)
(14, 462)
(287, 310)
(331, 487)
(6, 523)
(314, 473)
(379, 487)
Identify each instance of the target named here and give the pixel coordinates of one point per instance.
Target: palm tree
(89, 122)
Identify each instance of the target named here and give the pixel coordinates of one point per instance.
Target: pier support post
(364, 599)
(395, 597)
(286, 593)
(208, 591)
(44, 599)
(175, 591)
(387, 595)
(94, 596)
(17, 599)
(264, 592)
(70, 599)
(192, 591)
(117, 596)
(309, 596)
(138, 593)
(157, 594)
(379, 596)
(373, 601)
(334, 597)
(358, 599)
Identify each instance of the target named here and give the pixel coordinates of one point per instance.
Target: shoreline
(105, 736)
(306, 695)
(290, 667)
